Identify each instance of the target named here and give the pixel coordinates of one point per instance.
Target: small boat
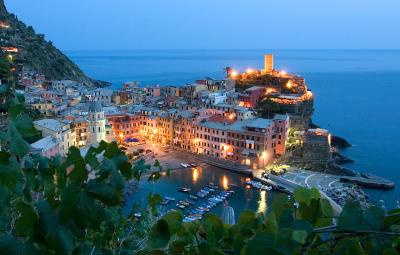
(197, 211)
(187, 219)
(201, 195)
(184, 165)
(170, 198)
(193, 197)
(192, 217)
(185, 190)
(196, 216)
(137, 215)
(193, 165)
(189, 202)
(204, 209)
(184, 203)
(180, 206)
(215, 200)
(265, 187)
(211, 204)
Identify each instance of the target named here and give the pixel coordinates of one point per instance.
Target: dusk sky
(214, 24)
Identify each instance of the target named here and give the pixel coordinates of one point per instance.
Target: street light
(264, 155)
(234, 74)
(249, 71)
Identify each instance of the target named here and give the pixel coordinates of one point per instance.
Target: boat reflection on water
(225, 182)
(196, 172)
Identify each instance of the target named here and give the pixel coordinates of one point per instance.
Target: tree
(4, 69)
(267, 108)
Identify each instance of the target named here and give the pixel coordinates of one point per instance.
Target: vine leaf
(159, 235)
(25, 223)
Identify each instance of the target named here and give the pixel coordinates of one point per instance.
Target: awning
(131, 140)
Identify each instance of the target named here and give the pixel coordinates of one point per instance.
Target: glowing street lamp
(249, 71)
(121, 137)
(263, 156)
(234, 74)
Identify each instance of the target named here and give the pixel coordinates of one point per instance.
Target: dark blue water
(245, 197)
(357, 92)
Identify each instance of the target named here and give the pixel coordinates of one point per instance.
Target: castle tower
(97, 123)
(268, 63)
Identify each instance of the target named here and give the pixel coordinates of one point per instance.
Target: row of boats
(186, 165)
(199, 203)
(258, 185)
(205, 206)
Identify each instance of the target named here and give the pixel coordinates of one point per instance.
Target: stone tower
(97, 123)
(268, 63)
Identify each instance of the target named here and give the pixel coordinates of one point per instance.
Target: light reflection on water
(195, 174)
(262, 202)
(244, 198)
(225, 182)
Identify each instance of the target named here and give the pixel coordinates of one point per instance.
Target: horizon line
(220, 49)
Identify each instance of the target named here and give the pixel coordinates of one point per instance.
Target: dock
(369, 181)
(286, 186)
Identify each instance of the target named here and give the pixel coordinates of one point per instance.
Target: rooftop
(239, 125)
(51, 124)
(95, 106)
(45, 143)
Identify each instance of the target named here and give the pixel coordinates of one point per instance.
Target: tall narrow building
(97, 123)
(268, 63)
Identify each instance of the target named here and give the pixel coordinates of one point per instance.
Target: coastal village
(256, 122)
(232, 164)
(208, 118)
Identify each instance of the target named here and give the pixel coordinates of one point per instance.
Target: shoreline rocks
(336, 141)
(340, 159)
(339, 142)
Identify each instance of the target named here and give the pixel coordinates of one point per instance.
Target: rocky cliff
(37, 53)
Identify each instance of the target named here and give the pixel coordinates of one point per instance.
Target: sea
(357, 92)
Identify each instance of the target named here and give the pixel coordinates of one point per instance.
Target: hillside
(38, 53)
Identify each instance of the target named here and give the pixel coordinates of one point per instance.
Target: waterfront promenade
(290, 186)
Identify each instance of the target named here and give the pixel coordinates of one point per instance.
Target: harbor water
(244, 196)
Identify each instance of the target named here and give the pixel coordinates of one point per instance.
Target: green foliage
(4, 69)
(61, 206)
(267, 108)
(302, 225)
